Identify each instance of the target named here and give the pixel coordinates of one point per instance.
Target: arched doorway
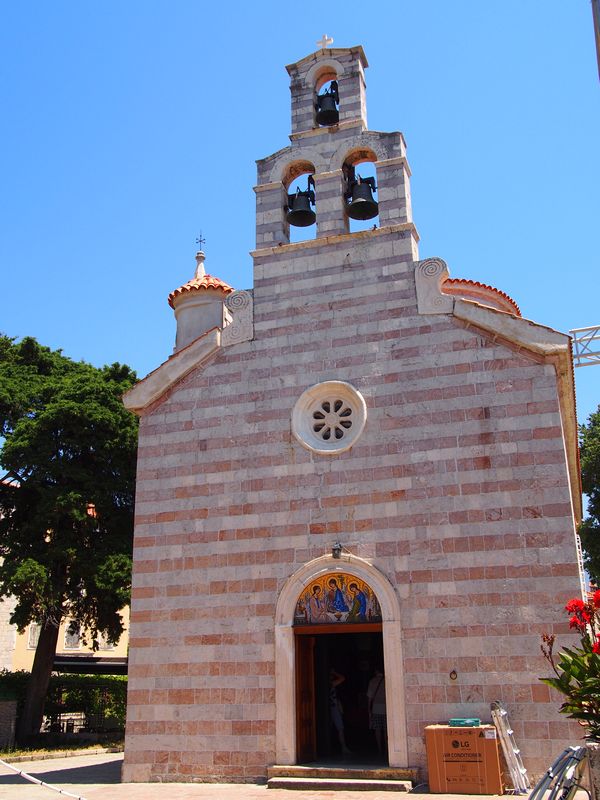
(310, 646)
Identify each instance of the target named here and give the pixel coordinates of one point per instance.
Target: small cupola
(199, 305)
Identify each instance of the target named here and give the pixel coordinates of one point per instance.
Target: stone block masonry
(457, 492)
(456, 503)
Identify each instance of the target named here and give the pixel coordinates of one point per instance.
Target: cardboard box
(463, 760)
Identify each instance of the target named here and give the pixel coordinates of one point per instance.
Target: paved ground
(97, 777)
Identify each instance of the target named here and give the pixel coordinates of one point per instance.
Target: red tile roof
(481, 292)
(205, 283)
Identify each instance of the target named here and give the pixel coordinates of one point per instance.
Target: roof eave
(153, 386)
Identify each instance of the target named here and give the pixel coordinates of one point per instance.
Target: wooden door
(306, 727)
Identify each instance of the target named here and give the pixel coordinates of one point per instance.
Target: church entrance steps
(358, 778)
(341, 784)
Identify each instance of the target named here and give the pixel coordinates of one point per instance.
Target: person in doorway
(335, 709)
(377, 709)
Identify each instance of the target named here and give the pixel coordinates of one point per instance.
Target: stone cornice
(339, 238)
(326, 54)
(399, 161)
(345, 125)
(528, 334)
(154, 385)
(267, 187)
(333, 173)
(566, 395)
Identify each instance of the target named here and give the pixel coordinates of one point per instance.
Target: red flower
(585, 616)
(596, 599)
(574, 605)
(596, 647)
(575, 622)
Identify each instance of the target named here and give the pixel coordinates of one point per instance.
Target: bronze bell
(299, 211)
(326, 106)
(362, 205)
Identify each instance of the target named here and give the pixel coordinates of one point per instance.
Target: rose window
(329, 417)
(332, 418)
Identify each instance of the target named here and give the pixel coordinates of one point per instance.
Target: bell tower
(329, 143)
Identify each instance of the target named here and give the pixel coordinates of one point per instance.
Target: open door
(306, 728)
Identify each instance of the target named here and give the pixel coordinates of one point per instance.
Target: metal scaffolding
(586, 346)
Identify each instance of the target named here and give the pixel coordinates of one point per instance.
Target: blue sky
(128, 128)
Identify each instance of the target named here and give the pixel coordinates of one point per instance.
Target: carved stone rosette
(240, 305)
(430, 274)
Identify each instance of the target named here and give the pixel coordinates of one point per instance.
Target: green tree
(66, 513)
(589, 530)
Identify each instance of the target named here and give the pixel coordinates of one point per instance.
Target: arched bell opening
(360, 190)
(327, 101)
(300, 207)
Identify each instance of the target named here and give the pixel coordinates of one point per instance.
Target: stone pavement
(97, 777)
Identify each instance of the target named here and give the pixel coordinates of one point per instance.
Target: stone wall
(8, 634)
(457, 492)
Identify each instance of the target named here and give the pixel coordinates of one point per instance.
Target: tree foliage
(589, 443)
(66, 517)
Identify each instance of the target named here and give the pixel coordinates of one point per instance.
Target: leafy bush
(13, 684)
(96, 696)
(577, 669)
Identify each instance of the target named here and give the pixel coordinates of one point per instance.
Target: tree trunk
(30, 720)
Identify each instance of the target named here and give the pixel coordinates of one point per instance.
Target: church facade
(359, 464)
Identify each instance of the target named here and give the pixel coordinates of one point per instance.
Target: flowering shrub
(577, 669)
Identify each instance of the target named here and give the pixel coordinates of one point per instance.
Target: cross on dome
(325, 41)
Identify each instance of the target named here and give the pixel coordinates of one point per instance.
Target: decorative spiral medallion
(241, 328)
(432, 267)
(329, 417)
(238, 300)
(430, 274)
